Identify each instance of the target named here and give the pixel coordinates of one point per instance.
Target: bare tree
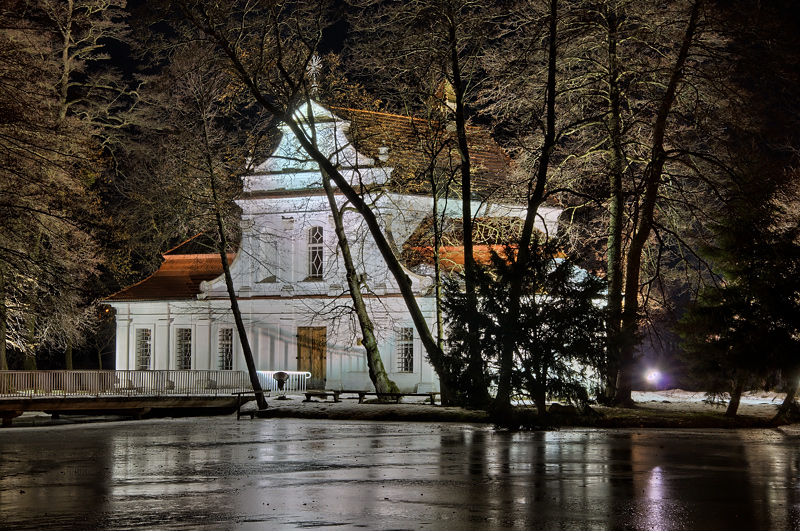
(47, 250)
(620, 66)
(191, 104)
(82, 30)
(427, 54)
(652, 179)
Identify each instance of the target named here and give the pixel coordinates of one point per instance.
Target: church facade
(288, 272)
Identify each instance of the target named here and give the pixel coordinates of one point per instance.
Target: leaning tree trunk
(736, 398)
(435, 354)
(788, 410)
(615, 210)
(377, 371)
(247, 352)
(237, 316)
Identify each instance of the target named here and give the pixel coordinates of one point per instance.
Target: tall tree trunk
(437, 265)
(444, 379)
(68, 356)
(652, 179)
(540, 395)
(3, 317)
(615, 208)
(29, 356)
(478, 392)
(536, 188)
(66, 62)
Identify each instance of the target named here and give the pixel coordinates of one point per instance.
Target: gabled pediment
(289, 167)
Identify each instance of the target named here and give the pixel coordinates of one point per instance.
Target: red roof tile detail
(451, 258)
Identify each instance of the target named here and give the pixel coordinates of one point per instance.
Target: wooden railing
(150, 383)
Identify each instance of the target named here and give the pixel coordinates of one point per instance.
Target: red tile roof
(415, 142)
(179, 277)
(184, 268)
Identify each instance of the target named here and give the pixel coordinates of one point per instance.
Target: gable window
(405, 350)
(183, 349)
(144, 348)
(226, 349)
(269, 260)
(315, 265)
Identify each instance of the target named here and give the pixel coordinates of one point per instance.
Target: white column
(123, 341)
(203, 344)
(253, 336)
(162, 340)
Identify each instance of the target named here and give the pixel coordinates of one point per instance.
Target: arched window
(315, 263)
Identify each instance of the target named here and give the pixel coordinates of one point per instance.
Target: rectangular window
(144, 348)
(405, 350)
(183, 349)
(226, 349)
(315, 264)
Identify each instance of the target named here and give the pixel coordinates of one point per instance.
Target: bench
(238, 395)
(362, 394)
(322, 394)
(395, 396)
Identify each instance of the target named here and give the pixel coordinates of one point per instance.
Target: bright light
(653, 376)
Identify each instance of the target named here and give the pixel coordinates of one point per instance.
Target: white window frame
(180, 356)
(316, 253)
(225, 348)
(404, 349)
(140, 366)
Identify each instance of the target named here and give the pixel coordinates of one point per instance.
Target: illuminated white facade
(290, 280)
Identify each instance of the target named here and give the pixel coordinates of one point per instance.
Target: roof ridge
(181, 244)
(380, 113)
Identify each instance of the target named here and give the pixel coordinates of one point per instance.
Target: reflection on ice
(190, 473)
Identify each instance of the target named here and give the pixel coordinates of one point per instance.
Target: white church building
(288, 273)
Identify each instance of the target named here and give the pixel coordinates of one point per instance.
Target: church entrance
(311, 354)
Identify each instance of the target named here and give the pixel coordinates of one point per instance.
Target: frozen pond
(220, 473)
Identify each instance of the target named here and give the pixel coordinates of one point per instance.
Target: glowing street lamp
(653, 377)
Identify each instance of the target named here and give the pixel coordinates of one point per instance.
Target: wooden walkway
(132, 393)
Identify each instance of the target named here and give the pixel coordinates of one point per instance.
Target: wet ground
(220, 473)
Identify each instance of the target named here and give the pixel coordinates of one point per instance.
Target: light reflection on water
(185, 473)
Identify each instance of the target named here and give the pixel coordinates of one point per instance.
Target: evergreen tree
(557, 336)
(743, 328)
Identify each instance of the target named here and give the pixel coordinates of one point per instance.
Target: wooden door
(312, 353)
